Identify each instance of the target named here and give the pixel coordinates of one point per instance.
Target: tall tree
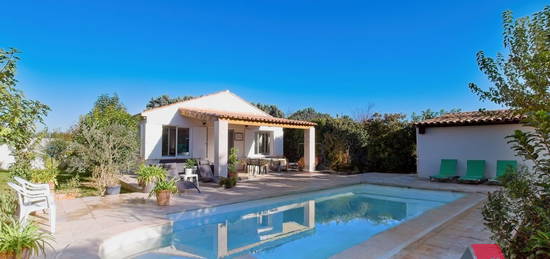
(106, 124)
(165, 100)
(294, 138)
(308, 114)
(108, 109)
(19, 116)
(429, 114)
(520, 77)
(519, 214)
(270, 109)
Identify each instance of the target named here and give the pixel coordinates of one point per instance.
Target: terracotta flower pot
(25, 254)
(163, 197)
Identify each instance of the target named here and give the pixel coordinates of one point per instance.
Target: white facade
(485, 142)
(6, 159)
(207, 138)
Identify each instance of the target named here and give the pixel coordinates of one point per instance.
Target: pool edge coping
(390, 242)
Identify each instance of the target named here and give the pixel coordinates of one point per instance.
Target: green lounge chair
(447, 170)
(475, 172)
(504, 167)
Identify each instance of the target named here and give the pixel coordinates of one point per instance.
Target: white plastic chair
(34, 197)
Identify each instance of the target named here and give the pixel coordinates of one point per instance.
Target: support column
(309, 214)
(222, 240)
(309, 149)
(221, 128)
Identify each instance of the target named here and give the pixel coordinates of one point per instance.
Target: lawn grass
(4, 176)
(85, 188)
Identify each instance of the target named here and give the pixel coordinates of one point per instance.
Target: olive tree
(519, 215)
(105, 151)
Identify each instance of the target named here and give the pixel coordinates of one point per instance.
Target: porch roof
(244, 118)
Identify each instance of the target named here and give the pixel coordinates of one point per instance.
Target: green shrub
(150, 173)
(228, 182)
(47, 175)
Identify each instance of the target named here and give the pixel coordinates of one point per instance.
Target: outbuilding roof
(473, 118)
(243, 118)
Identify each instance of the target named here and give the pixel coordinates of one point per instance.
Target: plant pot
(188, 171)
(163, 197)
(112, 190)
(147, 187)
(25, 254)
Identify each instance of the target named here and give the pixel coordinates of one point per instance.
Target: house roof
(472, 118)
(244, 118)
(192, 102)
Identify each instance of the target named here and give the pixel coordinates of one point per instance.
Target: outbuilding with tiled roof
(463, 136)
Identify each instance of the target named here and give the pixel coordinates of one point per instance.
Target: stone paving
(85, 222)
(451, 239)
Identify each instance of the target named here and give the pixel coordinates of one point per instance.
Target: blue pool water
(308, 225)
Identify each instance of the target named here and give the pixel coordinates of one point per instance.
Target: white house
(466, 136)
(207, 127)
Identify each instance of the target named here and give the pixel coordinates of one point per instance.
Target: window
(175, 141)
(263, 142)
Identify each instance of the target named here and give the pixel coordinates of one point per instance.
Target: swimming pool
(308, 225)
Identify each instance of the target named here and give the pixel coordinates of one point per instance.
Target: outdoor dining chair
(34, 197)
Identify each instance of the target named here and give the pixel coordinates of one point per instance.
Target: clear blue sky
(335, 56)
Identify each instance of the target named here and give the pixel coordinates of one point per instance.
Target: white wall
(152, 132)
(246, 147)
(464, 143)
(276, 137)
(6, 159)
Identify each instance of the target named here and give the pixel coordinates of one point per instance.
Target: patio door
(230, 140)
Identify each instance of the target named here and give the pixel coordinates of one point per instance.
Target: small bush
(48, 175)
(228, 182)
(150, 173)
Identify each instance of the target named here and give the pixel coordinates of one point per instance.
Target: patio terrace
(85, 223)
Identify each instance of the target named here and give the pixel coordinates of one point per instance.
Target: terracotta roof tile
(473, 118)
(204, 114)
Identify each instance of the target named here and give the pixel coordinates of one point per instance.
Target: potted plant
(190, 165)
(163, 191)
(22, 240)
(148, 175)
(107, 179)
(232, 174)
